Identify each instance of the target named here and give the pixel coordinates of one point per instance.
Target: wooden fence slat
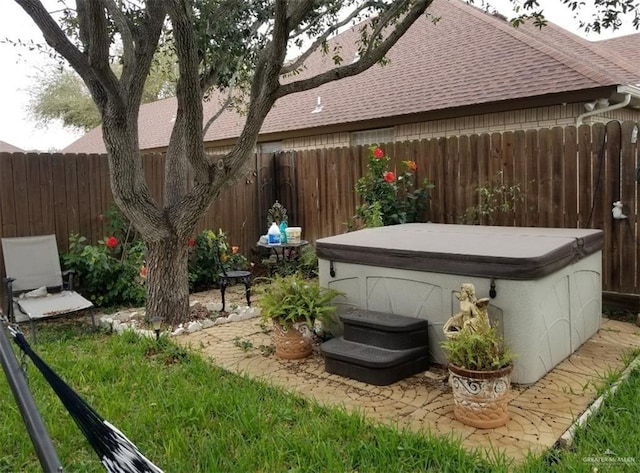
(7, 196)
(60, 200)
(611, 193)
(544, 178)
(467, 192)
(532, 179)
(585, 193)
(520, 176)
(71, 187)
(21, 189)
(84, 195)
(557, 178)
(451, 176)
(569, 182)
(34, 196)
(627, 235)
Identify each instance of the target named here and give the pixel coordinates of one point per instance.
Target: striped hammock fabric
(116, 452)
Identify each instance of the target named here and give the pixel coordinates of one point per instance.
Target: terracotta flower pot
(290, 343)
(480, 397)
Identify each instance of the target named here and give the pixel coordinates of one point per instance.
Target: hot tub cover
(470, 250)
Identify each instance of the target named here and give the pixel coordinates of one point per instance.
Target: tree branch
(321, 39)
(222, 108)
(55, 37)
(186, 138)
(370, 58)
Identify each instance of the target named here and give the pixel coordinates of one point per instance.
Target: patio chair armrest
(8, 283)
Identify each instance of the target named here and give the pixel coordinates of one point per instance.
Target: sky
(19, 67)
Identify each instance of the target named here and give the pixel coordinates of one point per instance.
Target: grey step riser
(383, 339)
(375, 376)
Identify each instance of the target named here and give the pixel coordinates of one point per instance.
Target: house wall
(524, 119)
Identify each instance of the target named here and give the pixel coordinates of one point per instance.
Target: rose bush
(389, 198)
(109, 274)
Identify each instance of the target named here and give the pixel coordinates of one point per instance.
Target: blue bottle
(283, 232)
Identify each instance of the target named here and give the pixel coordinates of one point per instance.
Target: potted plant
(294, 304)
(480, 364)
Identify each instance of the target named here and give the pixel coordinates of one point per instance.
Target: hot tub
(544, 283)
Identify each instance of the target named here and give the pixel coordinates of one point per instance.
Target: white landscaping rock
(194, 303)
(106, 322)
(221, 320)
(179, 331)
(206, 323)
(234, 317)
(194, 327)
(121, 328)
(214, 306)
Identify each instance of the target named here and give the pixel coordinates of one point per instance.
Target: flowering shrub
(204, 262)
(387, 198)
(109, 274)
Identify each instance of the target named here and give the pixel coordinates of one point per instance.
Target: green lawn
(189, 416)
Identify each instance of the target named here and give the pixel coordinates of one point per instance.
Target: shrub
(496, 200)
(483, 351)
(204, 262)
(387, 198)
(108, 272)
(290, 299)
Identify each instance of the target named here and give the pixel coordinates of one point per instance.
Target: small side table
(285, 252)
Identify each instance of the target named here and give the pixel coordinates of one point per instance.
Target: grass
(610, 442)
(187, 415)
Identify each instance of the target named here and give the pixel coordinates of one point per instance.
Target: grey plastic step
(394, 332)
(382, 320)
(372, 365)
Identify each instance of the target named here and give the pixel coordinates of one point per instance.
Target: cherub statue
(473, 315)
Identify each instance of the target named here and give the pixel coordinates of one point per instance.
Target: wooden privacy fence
(569, 177)
(69, 193)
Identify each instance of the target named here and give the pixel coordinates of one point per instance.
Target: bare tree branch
(370, 58)
(321, 39)
(220, 111)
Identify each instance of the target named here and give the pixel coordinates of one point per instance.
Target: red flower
(389, 176)
(143, 272)
(412, 165)
(111, 242)
(192, 242)
(235, 249)
(378, 153)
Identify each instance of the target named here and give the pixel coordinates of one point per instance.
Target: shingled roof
(9, 148)
(468, 58)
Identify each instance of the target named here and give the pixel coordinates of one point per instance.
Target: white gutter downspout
(615, 106)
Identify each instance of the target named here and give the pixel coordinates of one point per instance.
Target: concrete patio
(540, 413)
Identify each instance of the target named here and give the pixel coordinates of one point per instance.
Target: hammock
(116, 452)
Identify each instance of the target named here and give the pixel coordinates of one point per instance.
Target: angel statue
(473, 315)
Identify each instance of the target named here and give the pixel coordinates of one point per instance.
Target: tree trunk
(168, 281)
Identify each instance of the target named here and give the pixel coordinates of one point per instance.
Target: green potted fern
(293, 305)
(480, 364)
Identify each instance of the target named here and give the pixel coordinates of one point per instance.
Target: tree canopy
(60, 94)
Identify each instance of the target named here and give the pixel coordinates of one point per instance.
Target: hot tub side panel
(536, 316)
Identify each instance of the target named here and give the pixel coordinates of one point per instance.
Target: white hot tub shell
(548, 297)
